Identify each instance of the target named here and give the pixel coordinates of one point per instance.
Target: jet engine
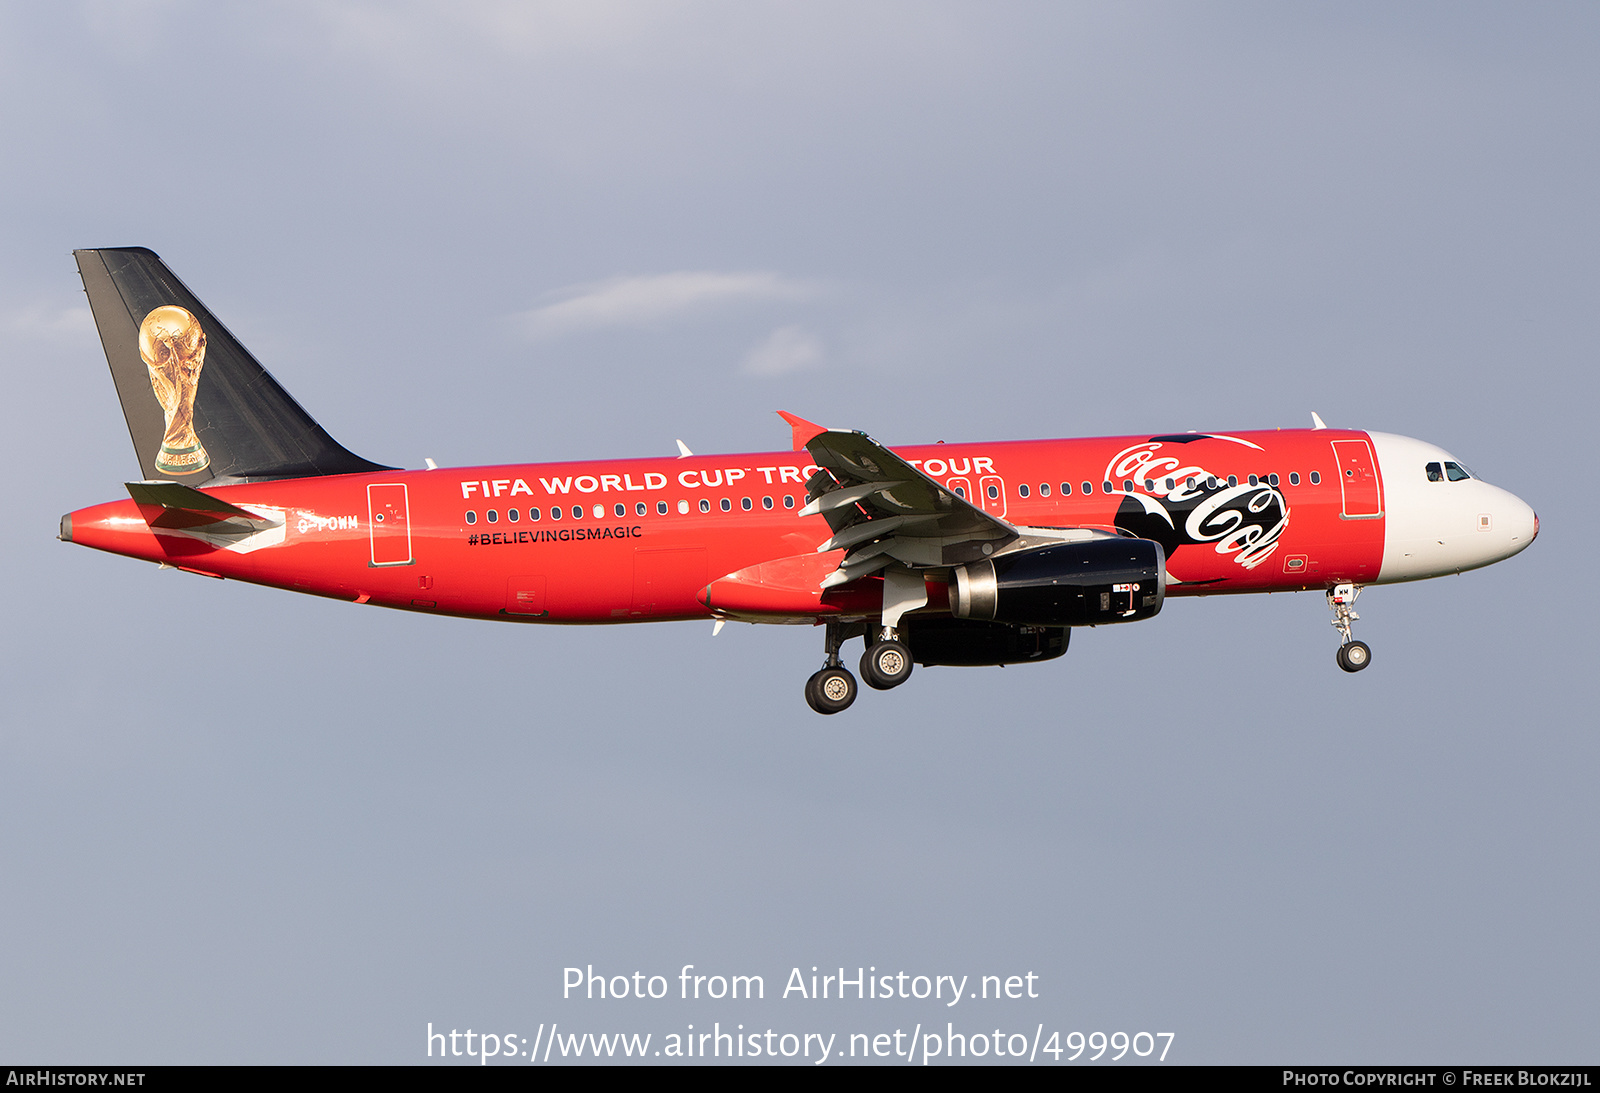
(1067, 584)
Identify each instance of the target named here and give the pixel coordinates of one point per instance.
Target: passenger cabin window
(1233, 480)
(555, 512)
(1456, 472)
(1150, 485)
(639, 509)
(1316, 478)
(577, 512)
(1272, 479)
(513, 515)
(1253, 481)
(492, 516)
(788, 501)
(1211, 481)
(1022, 490)
(533, 514)
(766, 502)
(1107, 487)
(1066, 489)
(744, 503)
(622, 510)
(599, 512)
(683, 508)
(1294, 478)
(1044, 489)
(472, 517)
(705, 505)
(727, 506)
(661, 508)
(1127, 485)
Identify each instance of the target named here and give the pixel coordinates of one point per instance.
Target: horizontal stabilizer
(184, 507)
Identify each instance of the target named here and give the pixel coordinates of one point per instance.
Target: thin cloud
(787, 349)
(633, 301)
(46, 322)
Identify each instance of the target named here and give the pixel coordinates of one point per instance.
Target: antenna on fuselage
(683, 450)
(1317, 422)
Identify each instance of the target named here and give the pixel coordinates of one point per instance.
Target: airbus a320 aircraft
(947, 554)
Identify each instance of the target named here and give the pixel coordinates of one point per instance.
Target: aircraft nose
(1521, 523)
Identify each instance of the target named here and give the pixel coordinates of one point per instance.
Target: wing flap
(885, 511)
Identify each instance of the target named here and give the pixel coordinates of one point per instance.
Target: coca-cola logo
(1178, 502)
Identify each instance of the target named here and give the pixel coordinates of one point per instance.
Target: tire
(831, 690)
(886, 664)
(1354, 656)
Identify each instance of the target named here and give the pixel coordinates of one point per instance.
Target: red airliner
(947, 554)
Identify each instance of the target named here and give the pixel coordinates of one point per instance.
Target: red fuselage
(642, 539)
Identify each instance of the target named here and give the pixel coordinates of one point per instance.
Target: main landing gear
(834, 688)
(887, 661)
(1353, 655)
(885, 664)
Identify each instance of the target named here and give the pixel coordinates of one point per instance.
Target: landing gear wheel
(1354, 656)
(886, 664)
(831, 690)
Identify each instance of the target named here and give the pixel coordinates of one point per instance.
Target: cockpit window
(1456, 472)
(1435, 473)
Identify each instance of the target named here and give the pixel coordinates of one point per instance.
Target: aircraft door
(992, 495)
(389, 524)
(1358, 479)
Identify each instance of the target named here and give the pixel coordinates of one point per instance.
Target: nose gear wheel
(1353, 655)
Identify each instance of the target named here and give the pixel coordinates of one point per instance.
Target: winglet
(1317, 422)
(803, 430)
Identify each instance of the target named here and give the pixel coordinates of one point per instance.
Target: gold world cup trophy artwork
(174, 349)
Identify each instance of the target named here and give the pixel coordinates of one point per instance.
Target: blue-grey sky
(237, 825)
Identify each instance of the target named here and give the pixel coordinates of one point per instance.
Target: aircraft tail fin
(198, 405)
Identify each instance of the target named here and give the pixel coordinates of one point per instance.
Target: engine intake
(1068, 584)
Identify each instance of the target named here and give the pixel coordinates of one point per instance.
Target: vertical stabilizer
(198, 405)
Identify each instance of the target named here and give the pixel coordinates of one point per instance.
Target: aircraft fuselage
(646, 539)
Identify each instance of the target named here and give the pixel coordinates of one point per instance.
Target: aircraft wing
(884, 510)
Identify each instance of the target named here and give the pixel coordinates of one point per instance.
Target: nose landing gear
(1353, 655)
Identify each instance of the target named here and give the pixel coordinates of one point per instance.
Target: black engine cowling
(1085, 583)
(937, 640)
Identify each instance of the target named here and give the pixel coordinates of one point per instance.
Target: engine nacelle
(1069, 584)
(945, 641)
